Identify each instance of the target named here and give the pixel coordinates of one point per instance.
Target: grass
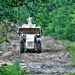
(71, 74)
(12, 70)
(71, 48)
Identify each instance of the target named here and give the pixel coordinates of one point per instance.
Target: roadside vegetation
(12, 70)
(71, 48)
(71, 74)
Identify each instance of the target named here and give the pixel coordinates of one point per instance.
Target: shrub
(12, 70)
(71, 48)
(71, 74)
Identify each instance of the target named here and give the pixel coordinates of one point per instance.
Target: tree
(16, 11)
(56, 17)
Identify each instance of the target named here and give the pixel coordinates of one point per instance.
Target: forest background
(56, 17)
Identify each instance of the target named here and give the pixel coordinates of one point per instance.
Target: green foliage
(12, 70)
(56, 17)
(60, 25)
(2, 33)
(5, 27)
(71, 74)
(71, 48)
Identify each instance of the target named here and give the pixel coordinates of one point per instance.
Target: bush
(71, 48)
(71, 74)
(12, 70)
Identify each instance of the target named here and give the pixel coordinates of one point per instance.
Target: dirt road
(53, 59)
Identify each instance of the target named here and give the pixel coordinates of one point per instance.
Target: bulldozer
(30, 37)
